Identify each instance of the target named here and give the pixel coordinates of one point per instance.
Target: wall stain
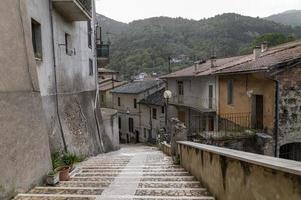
(246, 169)
(224, 165)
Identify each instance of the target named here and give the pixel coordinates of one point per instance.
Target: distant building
(222, 100)
(137, 122)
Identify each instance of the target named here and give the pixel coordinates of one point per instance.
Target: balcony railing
(103, 51)
(86, 5)
(74, 10)
(200, 104)
(224, 126)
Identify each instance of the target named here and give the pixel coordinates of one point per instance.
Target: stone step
(178, 192)
(84, 184)
(67, 190)
(132, 170)
(169, 185)
(173, 178)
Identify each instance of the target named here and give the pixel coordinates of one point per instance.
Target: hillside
(144, 45)
(291, 17)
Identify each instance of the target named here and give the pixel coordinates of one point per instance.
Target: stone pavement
(135, 172)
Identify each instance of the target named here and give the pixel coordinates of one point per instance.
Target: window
(180, 88)
(145, 132)
(131, 125)
(89, 27)
(69, 52)
(102, 98)
(135, 103)
(119, 123)
(154, 113)
(90, 67)
(119, 101)
(36, 38)
(230, 92)
(210, 95)
(162, 109)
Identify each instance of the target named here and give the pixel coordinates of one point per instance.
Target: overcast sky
(129, 10)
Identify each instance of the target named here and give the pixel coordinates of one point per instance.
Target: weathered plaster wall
(24, 147)
(235, 175)
(289, 106)
(110, 122)
(242, 102)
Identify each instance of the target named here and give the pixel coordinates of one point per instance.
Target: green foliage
(144, 45)
(273, 39)
(63, 159)
(290, 17)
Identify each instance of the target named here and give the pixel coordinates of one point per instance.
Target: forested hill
(290, 17)
(144, 45)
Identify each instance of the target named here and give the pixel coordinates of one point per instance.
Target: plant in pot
(64, 173)
(60, 166)
(52, 178)
(70, 159)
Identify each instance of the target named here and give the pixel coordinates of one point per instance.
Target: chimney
(264, 46)
(196, 65)
(212, 60)
(256, 52)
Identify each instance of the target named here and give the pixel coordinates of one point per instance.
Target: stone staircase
(132, 173)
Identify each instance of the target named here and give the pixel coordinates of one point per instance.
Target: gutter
(55, 77)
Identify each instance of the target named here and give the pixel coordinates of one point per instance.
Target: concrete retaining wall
(235, 175)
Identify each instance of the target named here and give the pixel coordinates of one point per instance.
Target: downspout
(55, 77)
(96, 80)
(276, 117)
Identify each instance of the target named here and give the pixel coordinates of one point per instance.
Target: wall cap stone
(288, 166)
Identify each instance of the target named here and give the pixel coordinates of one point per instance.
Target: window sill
(38, 59)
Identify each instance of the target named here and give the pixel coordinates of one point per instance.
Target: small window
(154, 113)
(69, 52)
(36, 38)
(230, 92)
(162, 109)
(135, 103)
(180, 88)
(145, 132)
(90, 67)
(119, 101)
(102, 98)
(89, 29)
(119, 123)
(131, 125)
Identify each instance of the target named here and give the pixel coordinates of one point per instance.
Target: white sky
(129, 10)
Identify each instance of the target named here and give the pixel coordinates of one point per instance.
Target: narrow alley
(135, 172)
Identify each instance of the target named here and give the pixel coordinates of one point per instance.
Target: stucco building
(134, 118)
(243, 96)
(48, 88)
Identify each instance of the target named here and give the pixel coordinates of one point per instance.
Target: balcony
(74, 10)
(196, 103)
(103, 54)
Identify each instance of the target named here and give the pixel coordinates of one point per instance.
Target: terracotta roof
(156, 99)
(246, 63)
(105, 86)
(137, 87)
(105, 70)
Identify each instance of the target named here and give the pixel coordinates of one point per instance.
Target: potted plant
(52, 178)
(64, 173)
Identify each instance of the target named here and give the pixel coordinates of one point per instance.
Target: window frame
(131, 125)
(89, 31)
(68, 41)
(91, 67)
(230, 92)
(180, 87)
(36, 36)
(154, 113)
(135, 103)
(119, 101)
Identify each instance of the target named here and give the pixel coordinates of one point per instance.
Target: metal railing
(103, 50)
(86, 5)
(234, 125)
(194, 102)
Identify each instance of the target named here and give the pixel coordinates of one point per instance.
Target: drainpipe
(276, 117)
(55, 77)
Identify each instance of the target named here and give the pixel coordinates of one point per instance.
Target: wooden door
(182, 116)
(257, 112)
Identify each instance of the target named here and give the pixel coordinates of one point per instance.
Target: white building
(134, 118)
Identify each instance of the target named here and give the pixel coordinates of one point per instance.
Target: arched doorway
(291, 151)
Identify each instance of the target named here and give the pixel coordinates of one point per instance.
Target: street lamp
(167, 95)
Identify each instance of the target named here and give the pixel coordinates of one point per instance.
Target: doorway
(182, 116)
(257, 112)
(137, 136)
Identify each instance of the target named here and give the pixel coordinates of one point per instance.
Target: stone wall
(289, 106)
(110, 124)
(235, 175)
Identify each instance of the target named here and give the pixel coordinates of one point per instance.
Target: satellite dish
(167, 94)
